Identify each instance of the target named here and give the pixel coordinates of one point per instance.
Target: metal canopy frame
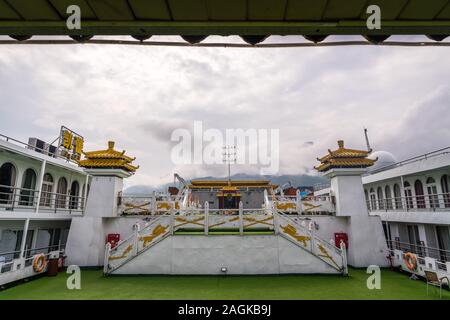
(313, 19)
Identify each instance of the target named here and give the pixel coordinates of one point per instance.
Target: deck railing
(422, 251)
(22, 199)
(431, 202)
(7, 258)
(56, 153)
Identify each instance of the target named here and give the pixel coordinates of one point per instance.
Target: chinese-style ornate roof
(344, 158)
(223, 184)
(108, 159)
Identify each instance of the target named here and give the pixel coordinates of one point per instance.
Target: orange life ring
(410, 261)
(39, 263)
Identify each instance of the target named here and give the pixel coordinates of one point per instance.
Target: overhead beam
(224, 28)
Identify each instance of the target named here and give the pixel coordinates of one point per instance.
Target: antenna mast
(229, 156)
(367, 140)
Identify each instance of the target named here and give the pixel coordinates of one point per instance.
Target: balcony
(420, 203)
(27, 200)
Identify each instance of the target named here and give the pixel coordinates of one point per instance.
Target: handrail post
(153, 203)
(206, 218)
(106, 258)
(313, 240)
(344, 258)
(136, 239)
(298, 201)
(172, 221)
(276, 223)
(241, 222)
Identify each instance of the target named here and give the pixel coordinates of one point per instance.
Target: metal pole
(40, 181)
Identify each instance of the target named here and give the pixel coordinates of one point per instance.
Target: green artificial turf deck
(394, 285)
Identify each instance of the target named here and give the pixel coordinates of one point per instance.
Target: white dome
(384, 159)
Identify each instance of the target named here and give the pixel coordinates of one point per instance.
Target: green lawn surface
(394, 285)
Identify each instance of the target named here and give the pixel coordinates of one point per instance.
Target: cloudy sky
(137, 96)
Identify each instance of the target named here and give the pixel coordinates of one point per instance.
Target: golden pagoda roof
(343, 152)
(207, 184)
(345, 158)
(109, 153)
(109, 158)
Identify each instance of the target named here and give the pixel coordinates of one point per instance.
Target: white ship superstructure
(412, 197)
(40, 192)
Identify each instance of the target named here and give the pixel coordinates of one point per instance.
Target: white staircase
(137, 243)
(164, 226)
(293, 231)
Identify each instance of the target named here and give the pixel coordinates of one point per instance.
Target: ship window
(387, 192)
(445, 190)
(366, 195)
(420, 199)
(7, 183)
(373, 200)
(432, 193)
(380, 198)
(47, 187)
(443, 236)
(28, 186)
(74, 195)
(408, 195)
(397, 196)
(61, 193)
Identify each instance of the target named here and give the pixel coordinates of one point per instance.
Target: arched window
(373, 199)
(61, 193)
(74, 195)
(28, 186)
(7, 183)
(387, 192)
(380, 198)
(397, 197)
(420, 199)
(366, 195)
(408, 195)
(47, 188)
(432, 193)
(445, 190)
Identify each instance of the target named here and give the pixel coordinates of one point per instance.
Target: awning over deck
(254, 20)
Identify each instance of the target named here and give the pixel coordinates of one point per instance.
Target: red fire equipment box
(340, 236)
(113, 239)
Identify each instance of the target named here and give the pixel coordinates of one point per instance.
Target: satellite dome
(384, 159)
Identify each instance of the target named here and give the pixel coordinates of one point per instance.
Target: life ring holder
(410, 261)
(39, 263)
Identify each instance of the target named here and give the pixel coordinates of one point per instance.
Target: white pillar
(86, 183)
(367, 244)
(40, 181)
(24, 238)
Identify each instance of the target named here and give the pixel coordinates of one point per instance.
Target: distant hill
(296, 181)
